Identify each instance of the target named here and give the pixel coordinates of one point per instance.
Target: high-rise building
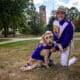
(42, 10)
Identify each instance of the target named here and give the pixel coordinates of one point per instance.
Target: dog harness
(36, 54)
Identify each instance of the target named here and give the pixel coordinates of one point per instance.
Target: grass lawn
(21, 36)
(1, 39)
(77, 34)
(14, 55)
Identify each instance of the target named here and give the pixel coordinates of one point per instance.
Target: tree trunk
(14, 31)
(5, 31)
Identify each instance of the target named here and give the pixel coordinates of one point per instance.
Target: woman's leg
(65, 57)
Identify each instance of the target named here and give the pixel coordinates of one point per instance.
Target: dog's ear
(51, 34)
(43, 38)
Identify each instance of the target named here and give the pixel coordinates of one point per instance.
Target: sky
(53, 4)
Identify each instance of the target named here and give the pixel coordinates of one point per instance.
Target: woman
(63, 30)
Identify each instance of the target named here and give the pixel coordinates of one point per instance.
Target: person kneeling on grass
(63, 31)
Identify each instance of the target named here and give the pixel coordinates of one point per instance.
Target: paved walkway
(22, 39)
(18, 39)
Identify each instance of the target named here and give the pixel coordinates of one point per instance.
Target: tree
(34, 19)
(11, 13)
(50, 24)
(77, 23)
(72, 13)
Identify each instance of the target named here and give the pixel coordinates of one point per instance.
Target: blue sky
(53, 4)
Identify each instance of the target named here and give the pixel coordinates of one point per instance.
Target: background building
(42, 10)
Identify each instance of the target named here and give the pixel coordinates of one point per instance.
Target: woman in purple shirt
(63, 30)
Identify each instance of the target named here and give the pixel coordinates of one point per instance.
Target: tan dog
(41, 53)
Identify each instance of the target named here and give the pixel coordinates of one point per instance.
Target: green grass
(1, 40)
(28, 42)
(20, 43)
(77, 34)
(14, 55)
(77, 44)
(21, 36)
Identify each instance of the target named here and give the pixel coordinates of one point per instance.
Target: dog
(41, 54)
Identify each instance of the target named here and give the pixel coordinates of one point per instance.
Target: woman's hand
(53, 49)
(60, 47)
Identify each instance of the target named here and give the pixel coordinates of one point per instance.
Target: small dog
(42, 53)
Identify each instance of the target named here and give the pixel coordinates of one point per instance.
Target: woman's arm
(66, 36)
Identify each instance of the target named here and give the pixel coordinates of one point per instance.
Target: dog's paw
(26, 68)
(27, 64)
(46, 66)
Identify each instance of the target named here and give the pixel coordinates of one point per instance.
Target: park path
(18, 39)
(22, 39)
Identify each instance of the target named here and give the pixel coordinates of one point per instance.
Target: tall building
(42, 10)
